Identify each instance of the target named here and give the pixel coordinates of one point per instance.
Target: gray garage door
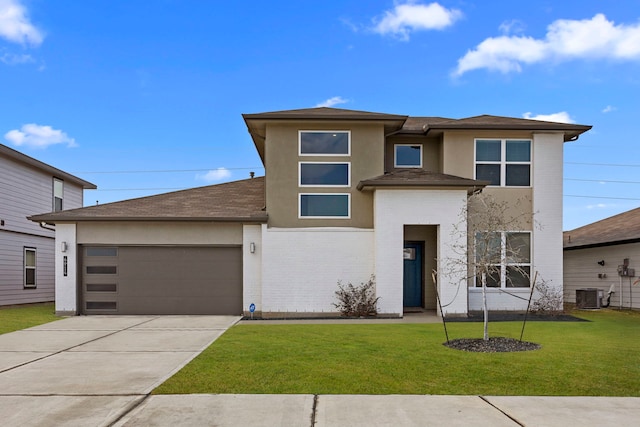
(161, 280)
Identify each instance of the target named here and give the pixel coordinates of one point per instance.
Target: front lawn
(15, 318)
(597, 358)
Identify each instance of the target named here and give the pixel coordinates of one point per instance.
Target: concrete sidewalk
(381, 411)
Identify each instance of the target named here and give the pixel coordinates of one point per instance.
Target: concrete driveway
(90, 371)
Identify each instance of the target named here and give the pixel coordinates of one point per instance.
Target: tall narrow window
(58, 194)
(29, 267)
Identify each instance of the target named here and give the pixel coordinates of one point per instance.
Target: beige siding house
(27, 187)
(346, 195)
(605, 255)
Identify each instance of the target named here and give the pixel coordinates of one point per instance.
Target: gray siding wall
(25, 191)
(581, 270)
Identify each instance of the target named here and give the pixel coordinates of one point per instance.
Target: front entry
(412, 277)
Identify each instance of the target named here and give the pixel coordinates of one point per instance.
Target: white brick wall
(252, 267)
(301, 267)
(396, 208)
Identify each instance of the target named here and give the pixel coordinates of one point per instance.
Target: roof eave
(56, 219)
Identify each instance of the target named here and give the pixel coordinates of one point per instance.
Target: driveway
(92, 370)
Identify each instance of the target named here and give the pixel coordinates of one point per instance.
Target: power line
(167, 170)
(602, 164)
(602, 180)
(600, 197)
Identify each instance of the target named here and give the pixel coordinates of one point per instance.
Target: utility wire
(167, 170)
(602, 180)
(602, 164)
(600, 197)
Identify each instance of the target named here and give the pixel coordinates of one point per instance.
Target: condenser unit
(588, 298)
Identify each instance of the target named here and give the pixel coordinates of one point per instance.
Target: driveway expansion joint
(503, 412)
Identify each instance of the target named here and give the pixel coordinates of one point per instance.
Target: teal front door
(412, 281)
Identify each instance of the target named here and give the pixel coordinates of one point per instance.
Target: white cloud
(413, 16)
(13, 59)
(512, 26)
(215, 175)
(38, 136)
(595, 38)
(15, 25)
(332, 101)
(561, 117)
(608, 109)
(599, 206)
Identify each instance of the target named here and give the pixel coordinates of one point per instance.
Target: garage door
(161, 280)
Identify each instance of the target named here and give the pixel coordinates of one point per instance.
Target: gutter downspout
(44, 225)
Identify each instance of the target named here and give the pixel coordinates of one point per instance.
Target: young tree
(496, 250)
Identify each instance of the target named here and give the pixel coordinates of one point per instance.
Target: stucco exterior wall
(282, 160)
(431, 148)
(66, 290)
(159, 233)
(396, 208)
(581, 270)
(301, 268)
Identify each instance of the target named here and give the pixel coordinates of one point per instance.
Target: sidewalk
(378, 411)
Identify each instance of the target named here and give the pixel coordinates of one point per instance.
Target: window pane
(518, 151)
(518, 277)
(489, 173)
(488, 248)
(29, 258)
(324, 205)
(102, 269)
(102, 251)
(518, 175)
(493, 278)
(519, 247)
(324, 174)
(57, 204)
(408, 155)
(488, 150)
(58, 188)
(30, 277)
(336, 143)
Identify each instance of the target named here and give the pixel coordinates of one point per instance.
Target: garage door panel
(178, 280)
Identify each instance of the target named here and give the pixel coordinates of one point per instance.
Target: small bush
(357, 301)
(548, 301)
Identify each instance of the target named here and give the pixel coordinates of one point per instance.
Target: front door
(412, 280)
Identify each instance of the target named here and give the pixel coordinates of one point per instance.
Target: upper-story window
(324, 174)
(407, 156)
(58, 194)
(504, 162)
(29, 268)
(324, 143)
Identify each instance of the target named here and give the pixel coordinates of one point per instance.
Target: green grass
(15, 318)
(597, 358)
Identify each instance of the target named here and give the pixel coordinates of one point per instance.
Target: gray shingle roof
(420, 178)
(621, 228)
(238, 201)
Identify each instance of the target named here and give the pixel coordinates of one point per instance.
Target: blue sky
(142, 97)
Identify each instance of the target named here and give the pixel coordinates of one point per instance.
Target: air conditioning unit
(588, 298)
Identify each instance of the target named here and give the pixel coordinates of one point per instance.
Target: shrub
(548, 301)
(357, 301)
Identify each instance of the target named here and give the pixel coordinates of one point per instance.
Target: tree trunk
(484, 307)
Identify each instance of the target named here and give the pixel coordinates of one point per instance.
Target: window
(507, 256)
(407, 156)
(101, 251)
(324, 205)
(324, 174)
(504, 162)
(29, 267)
(58, 194)
(325, 143)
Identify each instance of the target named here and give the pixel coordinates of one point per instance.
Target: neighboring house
(603, 254)
(346, 195)
(27, 187)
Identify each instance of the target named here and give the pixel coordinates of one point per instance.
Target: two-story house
(346, 195)
(27, 187)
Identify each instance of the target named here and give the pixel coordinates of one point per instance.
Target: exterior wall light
(252, 247)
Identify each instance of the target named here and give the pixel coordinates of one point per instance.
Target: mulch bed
(518, 317)
(494, 345)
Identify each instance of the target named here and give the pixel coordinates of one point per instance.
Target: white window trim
(504, 264)
(34, 268)
(395, 157)
(300, 216)
(301, 154)
(53, 193)
(347, 185)
(503, 161)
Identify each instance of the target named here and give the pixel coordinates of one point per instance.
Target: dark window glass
(336, 143)
(488, 150)
(518, 151)
(330, 205)
(102, 251)
(324, 174)
(518, 277)
(101, 287)
(30, 277)
(102, 269)
(518, 175)
(408, 156)
(489, 173)
(493, 278)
